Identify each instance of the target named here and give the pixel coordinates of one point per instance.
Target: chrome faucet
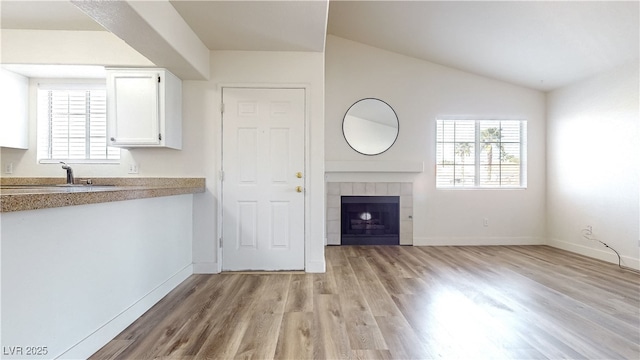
(70, 179)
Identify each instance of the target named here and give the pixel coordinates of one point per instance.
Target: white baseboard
(92, 343)
(603, 254)
(315, 267)
(477, 241)
(206, 268)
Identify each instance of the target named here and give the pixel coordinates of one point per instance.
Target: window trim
(64, 85)
(477, 153)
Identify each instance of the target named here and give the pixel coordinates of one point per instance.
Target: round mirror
(370, 126)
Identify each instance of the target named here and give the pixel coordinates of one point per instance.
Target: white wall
(67, 47)
(420, 92)
(593, 147)
(74, 277)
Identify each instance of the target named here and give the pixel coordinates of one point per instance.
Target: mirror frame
(397, 129)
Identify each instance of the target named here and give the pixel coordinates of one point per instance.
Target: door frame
(220, 158)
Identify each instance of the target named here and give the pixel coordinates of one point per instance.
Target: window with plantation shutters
(72, 124)
(480, 153)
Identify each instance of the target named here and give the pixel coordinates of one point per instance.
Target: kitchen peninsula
(81, 263)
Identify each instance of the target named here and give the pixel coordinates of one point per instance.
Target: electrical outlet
(485, 222)
(133, 168)
(8, 168)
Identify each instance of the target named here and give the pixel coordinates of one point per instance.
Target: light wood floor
(391, 302)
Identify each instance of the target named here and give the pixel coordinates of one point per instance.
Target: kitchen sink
(80, 185)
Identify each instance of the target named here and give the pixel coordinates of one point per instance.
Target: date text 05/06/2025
(25, 350)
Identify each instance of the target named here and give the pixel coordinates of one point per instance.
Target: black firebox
(370, 220)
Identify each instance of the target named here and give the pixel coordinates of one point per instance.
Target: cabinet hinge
(158, 78)
(160, 137)
(222, 108)
(220, 243)
(221, 175)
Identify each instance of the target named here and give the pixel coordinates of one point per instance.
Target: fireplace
(370, 220)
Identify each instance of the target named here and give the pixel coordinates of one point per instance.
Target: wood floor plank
(113, 349)
(362, 328)
(194, 333)
(295, 338)
(402, 340)
(324, 283)
(398, 302)
(335, 256)
(300, 296)
(231, 325)
(258, 341)
(371, 355)
(391, 272)
(393, 258)
(372, 289)
(331, 340)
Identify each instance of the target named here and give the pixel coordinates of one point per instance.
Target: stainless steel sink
(80, 185)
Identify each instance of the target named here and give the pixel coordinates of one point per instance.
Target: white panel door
(262, 189)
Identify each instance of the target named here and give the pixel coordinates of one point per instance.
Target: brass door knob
(299, 188)
(299, 175)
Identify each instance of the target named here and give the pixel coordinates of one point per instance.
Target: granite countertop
(18, 194)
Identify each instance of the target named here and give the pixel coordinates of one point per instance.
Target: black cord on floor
(587, 232)
(619, 260)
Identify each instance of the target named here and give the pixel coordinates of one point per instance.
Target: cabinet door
(134, 108)
(14, 110)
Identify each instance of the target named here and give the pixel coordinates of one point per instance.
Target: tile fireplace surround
(337, 189)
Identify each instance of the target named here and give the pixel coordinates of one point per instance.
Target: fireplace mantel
(374, 166)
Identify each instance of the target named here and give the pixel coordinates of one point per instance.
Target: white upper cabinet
(144, 108)
(14, 110)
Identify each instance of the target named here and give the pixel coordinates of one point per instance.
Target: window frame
(477, 152)
(44, 130)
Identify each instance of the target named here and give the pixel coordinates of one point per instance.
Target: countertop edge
(44, 200)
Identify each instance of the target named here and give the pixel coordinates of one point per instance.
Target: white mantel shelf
(374, 166)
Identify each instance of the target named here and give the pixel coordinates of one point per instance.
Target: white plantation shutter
(456, 148)
(480, 153)
(72, 124)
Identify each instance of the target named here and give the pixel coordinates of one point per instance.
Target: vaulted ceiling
(539, 44)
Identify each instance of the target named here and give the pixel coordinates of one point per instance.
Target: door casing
(307, 157)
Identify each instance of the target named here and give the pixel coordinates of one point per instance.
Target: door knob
(299, 188)
(299, 175)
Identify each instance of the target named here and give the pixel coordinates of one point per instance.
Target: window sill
(78, 161)
(482, 188)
